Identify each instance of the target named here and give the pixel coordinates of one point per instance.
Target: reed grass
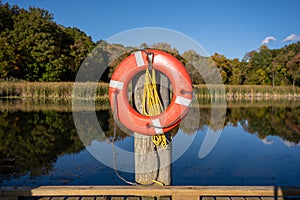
(53, 90)
(99, 91)
(246, 92)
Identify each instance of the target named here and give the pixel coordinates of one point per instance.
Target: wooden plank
(73, 198)
(117, 198)
(150, 191)
(146, 198)
(185, 197)
(164, 198)
(272, 198)
(86, 198)
(100, 198)
(208, 198)
(133, 198)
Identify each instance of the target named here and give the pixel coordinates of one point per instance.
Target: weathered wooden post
(151, 165)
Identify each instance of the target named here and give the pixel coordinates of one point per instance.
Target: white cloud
(292, 37)
(268, 39)
(267, 141)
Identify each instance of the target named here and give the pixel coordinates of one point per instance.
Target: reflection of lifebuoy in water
(182, 92)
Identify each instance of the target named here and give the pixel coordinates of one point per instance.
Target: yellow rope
(151, 105)
(159, 183)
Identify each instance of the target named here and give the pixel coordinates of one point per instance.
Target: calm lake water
(258, 146)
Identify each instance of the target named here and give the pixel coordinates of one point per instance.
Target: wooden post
(150, 164)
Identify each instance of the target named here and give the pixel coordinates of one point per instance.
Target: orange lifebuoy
(181, 98)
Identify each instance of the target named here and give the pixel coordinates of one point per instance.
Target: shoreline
(99, 91)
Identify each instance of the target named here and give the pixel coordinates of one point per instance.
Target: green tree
(6, 16)
(237, 72)
(34, 39)
(279, 70)
(260, 67)
(76, 46)
(35, 48)
(7, 58)
(294, 68)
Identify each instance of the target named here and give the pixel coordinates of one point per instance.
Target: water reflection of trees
(280, 121)
(30, 142)
(283, 122)
(264, 121)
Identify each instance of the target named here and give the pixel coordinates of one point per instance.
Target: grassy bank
(65, 90)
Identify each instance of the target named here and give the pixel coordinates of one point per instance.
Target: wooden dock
(143, 192)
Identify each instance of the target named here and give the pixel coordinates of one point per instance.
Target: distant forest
(35, 48)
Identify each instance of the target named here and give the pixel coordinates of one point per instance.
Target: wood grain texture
(150, 164)
(233, 191)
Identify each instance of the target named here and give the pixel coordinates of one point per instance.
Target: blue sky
(228, 27)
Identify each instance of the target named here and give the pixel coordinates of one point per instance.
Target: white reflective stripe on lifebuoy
(116, 84)
(139, 58)
(156, 124)
(183, 101)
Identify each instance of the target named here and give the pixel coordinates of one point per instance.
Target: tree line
(35, 48)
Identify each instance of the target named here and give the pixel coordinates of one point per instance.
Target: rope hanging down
(155, 181)
(151, 103)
